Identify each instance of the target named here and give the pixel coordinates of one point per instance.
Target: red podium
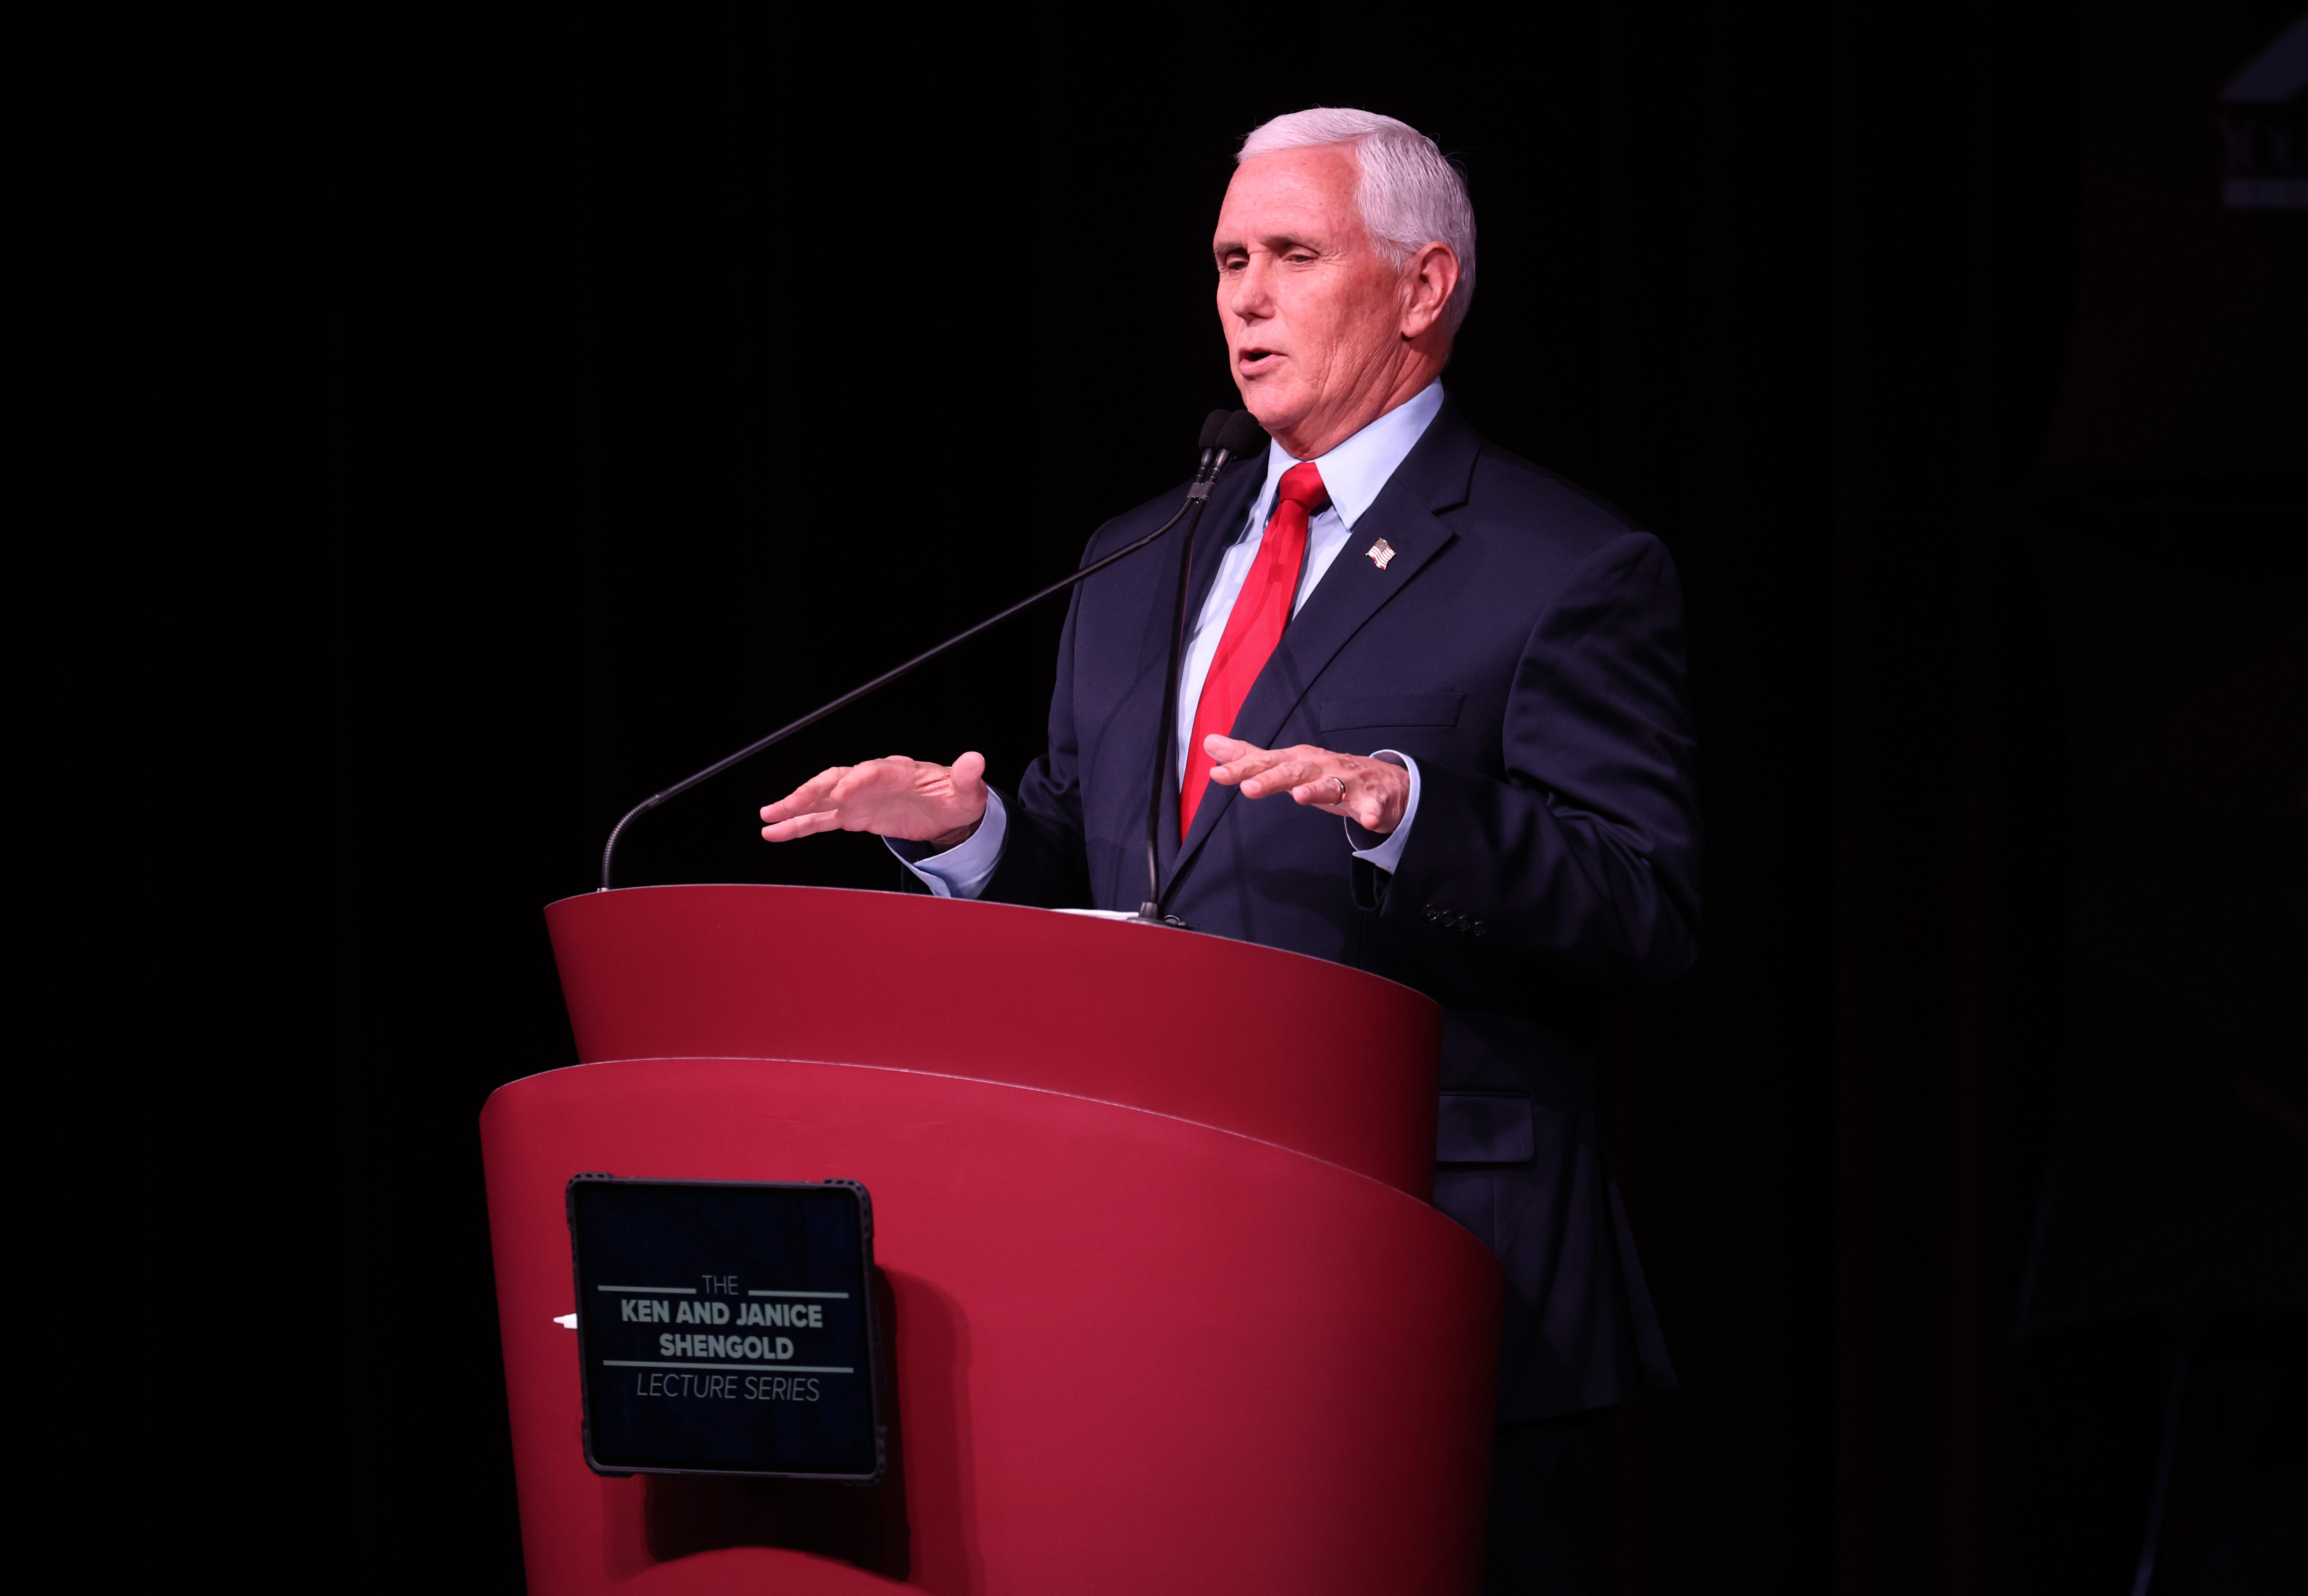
(1168, 1307)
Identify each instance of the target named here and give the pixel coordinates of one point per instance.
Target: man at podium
(1430, 724)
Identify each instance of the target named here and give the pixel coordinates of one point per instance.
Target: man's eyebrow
(1276, 242)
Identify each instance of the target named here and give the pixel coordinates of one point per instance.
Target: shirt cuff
(963, 869)
(1386, 851)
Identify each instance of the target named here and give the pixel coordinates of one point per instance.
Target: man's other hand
(938, 804)
(1370, 793)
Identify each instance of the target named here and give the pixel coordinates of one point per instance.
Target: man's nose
(1249, 294)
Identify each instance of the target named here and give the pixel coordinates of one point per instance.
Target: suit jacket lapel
(1222, 519)
(1433, 477)
(1221, 522)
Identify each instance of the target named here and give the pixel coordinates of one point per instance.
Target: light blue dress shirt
(1354, 473)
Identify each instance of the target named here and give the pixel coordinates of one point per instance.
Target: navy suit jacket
(1525, 646)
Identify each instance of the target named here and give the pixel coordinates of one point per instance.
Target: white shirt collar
(1357, 470)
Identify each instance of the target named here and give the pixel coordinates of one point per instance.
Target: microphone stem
(1195, 497)
(1166, 736)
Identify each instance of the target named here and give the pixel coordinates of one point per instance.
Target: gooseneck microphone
(1237, 440)
(1223, 439)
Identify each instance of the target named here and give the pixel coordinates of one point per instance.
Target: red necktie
(1261, 611)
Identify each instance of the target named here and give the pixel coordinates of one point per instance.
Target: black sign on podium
(728, 1327)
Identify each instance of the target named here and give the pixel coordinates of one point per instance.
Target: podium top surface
(1327, 1061)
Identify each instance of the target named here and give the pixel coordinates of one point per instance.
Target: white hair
(1409, 195)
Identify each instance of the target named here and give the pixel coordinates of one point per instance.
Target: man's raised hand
(939, 804)
(1370, 793)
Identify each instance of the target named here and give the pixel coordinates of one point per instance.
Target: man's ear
(1429, 279)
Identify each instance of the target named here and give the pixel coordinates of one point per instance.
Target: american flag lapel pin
(1380, 553)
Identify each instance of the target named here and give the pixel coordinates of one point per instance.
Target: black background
(452, 423)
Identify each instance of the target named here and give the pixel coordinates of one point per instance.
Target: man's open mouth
(1252, 356)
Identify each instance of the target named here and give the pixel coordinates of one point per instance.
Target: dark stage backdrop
(456, 421)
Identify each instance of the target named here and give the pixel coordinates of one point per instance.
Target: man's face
(1313, 314)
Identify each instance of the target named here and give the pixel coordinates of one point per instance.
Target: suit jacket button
(1478, 928)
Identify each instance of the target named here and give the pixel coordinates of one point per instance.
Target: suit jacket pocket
(1484, 1127)
(1390, 709)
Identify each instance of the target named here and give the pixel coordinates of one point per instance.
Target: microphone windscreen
(1213, 424)
(1242, 436)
